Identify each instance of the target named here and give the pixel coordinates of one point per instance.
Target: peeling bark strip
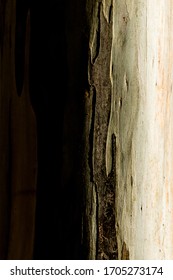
(99, 79)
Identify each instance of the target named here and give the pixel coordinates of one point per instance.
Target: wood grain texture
(101, 91)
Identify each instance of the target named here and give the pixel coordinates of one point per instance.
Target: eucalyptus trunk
(129, 136)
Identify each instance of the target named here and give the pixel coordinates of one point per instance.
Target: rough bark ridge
(101, 215)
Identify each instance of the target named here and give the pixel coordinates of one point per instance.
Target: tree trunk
(128, 130)
(104, 149)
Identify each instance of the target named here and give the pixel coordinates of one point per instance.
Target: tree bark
(128, 130)
(119, 147)
(100, 190)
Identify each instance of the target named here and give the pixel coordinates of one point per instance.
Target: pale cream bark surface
(143, 76)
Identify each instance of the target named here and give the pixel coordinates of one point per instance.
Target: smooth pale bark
(17, 147)
(130, 60)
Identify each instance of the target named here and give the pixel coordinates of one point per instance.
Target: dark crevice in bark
(110, 13)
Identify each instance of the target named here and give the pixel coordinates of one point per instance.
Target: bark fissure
(100, 80)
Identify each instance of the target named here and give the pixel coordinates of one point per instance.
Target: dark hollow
(58, 71)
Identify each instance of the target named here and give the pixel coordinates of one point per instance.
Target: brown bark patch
(124, 252)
